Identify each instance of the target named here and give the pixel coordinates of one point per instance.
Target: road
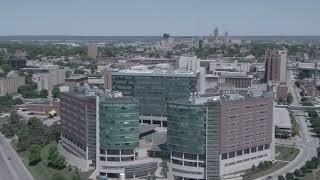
(11, 166)
(306, 143)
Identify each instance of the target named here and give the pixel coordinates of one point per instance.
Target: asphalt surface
(306, 143)
(11, 166)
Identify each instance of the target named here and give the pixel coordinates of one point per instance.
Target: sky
(155, 17)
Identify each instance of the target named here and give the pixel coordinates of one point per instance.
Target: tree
(7, 130)
(43, 93)
(58, 176)
(6, 102)
(23, 139)
(55, 92)
(281, 177)
(303, 99)
(261, 165)
(289, 176)
(53, 132)
(307, 103)
(253, 168)
(18, 101)
(289, 98)
(35, 155)
(298, 84)
(298, 173)
(76, 176)
(37, 131)
(55, 160)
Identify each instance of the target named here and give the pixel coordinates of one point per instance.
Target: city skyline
(152, 18)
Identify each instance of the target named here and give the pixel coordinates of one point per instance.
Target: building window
(201, 164)
(267, 146)
(113, 151)
(103, 174)
(117, 159)
(232, 155)
(224, 156)
(190, 156)
(187, 163)
(102, 158)
(239, 153)
(254, 149)
(260, 148)
(127, 151)
(127, 158)
(247, 151)
(177, 154)
(175, 161)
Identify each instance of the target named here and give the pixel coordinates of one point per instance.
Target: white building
(283, 65)
(189, 63)
(49, 79)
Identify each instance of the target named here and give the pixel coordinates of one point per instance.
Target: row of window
(189, 156)
(245, 151)
(188, 163)
(245, 142)
(245, 160)
(116, 159)
(75, 142)
(116, 151)
(246, 107)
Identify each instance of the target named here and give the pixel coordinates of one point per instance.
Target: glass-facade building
(152, 90)
(119, 123)
(186, 139)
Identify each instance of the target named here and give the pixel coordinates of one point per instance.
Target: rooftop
(154, 72)
(92, 91)
(281, 118)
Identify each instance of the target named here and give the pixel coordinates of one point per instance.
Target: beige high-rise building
(92, 50)
(10, 85)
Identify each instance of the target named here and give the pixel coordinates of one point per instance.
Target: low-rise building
(42, 107)
(282, 90)
(282, 123)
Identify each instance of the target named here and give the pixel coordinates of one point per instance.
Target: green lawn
(42, 172)
(260, 173)
(285, 153)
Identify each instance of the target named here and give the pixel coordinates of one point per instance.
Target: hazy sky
(154, 17)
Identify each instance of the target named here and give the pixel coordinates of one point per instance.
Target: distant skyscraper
(276, 65)
(216, 32)
(226, 38)
(92, 50)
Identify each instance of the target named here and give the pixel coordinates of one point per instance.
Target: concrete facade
(11, 85)
(49, 79)
(276, 65)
